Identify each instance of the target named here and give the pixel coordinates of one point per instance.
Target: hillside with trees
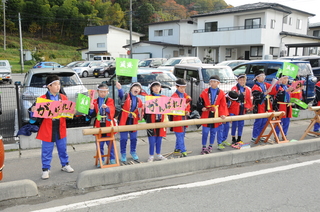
(63, 21)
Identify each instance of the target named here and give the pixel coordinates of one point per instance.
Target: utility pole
(21, 47)
(4, 24)
(131, 29)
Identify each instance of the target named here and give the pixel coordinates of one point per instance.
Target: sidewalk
(22, 174)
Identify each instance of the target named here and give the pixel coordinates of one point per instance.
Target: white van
(5, 71)
(103, 58)
(169, 65)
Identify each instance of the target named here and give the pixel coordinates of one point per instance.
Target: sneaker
(67, 168)
(177, 151)
(150, 159)
(234, 140)
(123, 157)
(204, 151)
(45, 175)
(134, 156)
(160, 157)
(226, 143)
(112, 161)
(221, 146)
(253, 140)
(184, 154)
(209, 149)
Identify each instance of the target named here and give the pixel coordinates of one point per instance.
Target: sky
(310, 6)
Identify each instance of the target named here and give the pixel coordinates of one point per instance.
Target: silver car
(86, 68)
(35, 79)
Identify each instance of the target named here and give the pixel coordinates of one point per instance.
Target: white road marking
(133, 195)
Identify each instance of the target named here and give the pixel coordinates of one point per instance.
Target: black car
(107, 70)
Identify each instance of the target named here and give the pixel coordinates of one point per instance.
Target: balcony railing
(230, 28)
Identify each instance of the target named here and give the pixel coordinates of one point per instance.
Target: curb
(101, 177)
(18, 189)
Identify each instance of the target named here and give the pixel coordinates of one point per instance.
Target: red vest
(219, 100)
(45, 130)
(247, 98)
(124, 114)
(262, 108)
(110, 103)
(180, 118)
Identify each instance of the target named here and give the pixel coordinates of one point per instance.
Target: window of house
(273, 24)
(158, 33)
(256, 51)
(175, 53)
(181, 51)
(211, 26)
(228, 52)
(189, 51)
(285, 20)
(101, 45)
(252, 23)
(274, 51)
(170, 32)
(133, 41)
(316, 33)
(299, 24)
(290, 21)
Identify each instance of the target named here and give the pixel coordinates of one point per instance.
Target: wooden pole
(314, 108)
(91, 131)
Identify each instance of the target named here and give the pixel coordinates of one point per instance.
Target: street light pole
(21, 47)
(4, 24)
(131, 29)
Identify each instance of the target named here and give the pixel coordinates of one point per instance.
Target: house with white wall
(166, 39)
(108, 40)
(250, 31)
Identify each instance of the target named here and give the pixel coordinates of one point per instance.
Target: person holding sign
(261, 92)
(155, 135)
(181, 85)
(131, 112)
(282, 102)
(53, 131)
(244, 104)
(103, 109)
(316, 102)
(212, 103)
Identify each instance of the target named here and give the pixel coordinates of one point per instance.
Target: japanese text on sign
(165, 105)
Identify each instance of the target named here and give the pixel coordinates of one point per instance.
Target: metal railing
(230, 28)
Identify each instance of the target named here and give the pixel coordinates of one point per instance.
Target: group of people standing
(212, 103)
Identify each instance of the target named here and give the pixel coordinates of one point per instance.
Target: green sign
(288, 69)
(299, 102)
(126, 67)
(83, 103)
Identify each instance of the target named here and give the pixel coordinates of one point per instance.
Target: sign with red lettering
(165, 105)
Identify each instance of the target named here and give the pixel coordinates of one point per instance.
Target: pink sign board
(55, 109)
(165, 105)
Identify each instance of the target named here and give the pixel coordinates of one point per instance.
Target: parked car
(270, 68)
(74, 64)
(103, 58)
(198, 76)
(86, 68)
(34, 80)
(231, 63)
(313, 60)
(5, 71)
(169, 65)
(151, 62)
(144, 77)
(48, 65)
(106, 69)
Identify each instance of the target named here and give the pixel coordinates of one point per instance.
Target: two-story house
(108, 40)
(251, 31)
(166, 39)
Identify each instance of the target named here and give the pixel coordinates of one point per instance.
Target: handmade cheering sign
(46, 108)
(165, 105)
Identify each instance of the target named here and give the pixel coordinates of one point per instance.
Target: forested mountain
(64, 21)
